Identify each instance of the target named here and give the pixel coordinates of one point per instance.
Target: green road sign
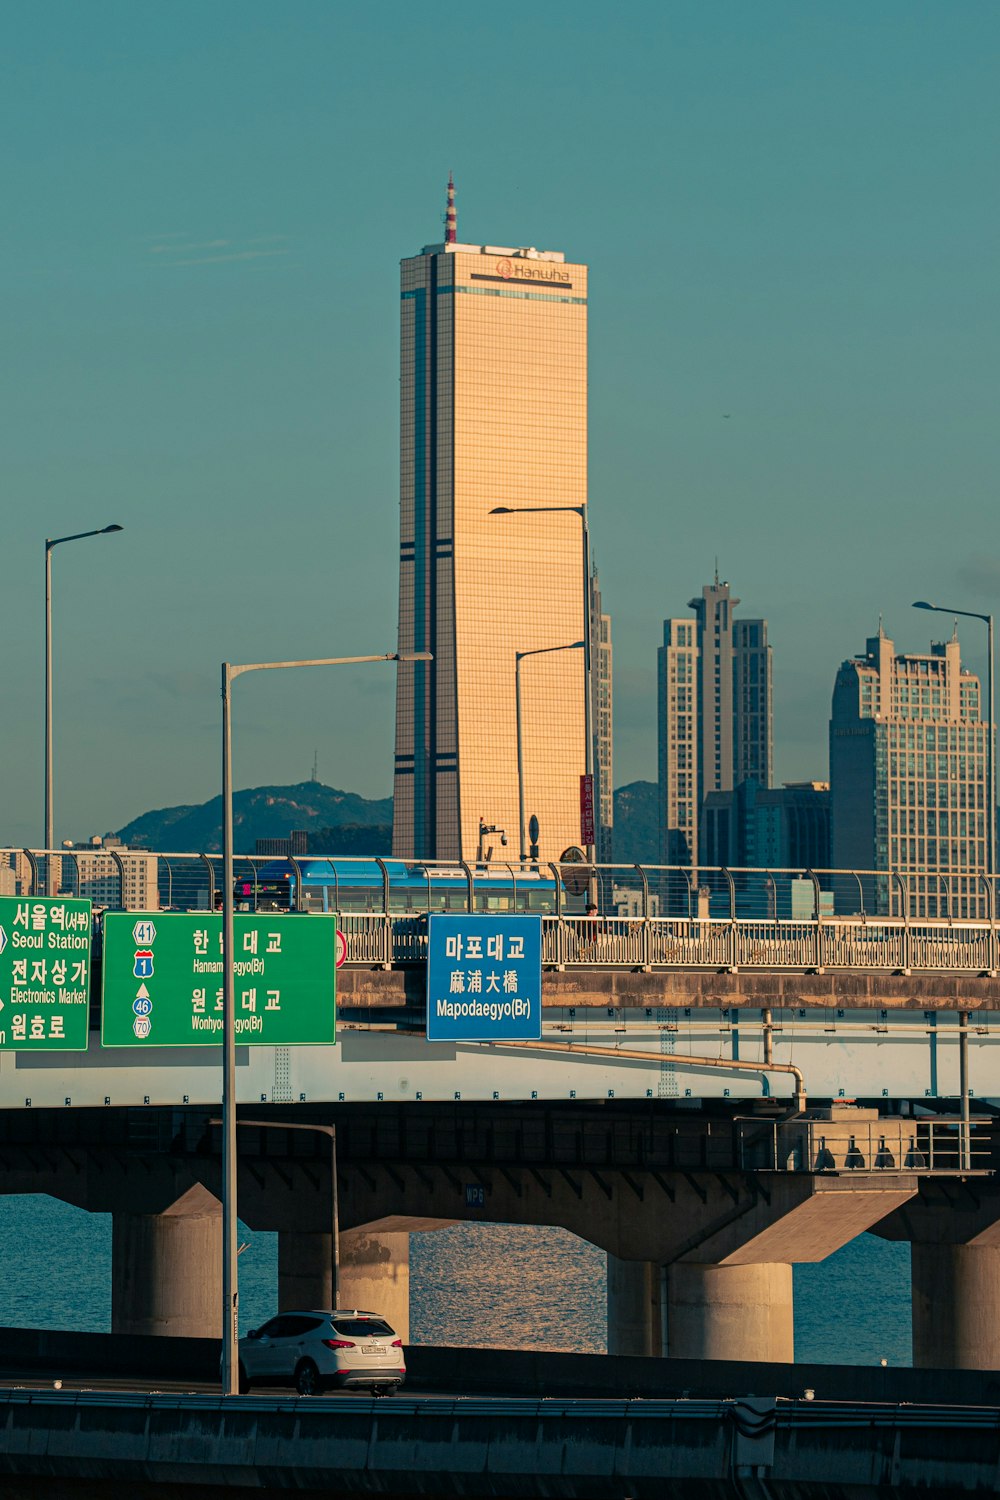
(44, 974)
(162, 979)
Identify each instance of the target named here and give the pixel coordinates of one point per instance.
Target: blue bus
(393, 886)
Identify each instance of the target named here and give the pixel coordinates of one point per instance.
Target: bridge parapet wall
(361, 988)
(480, 1450)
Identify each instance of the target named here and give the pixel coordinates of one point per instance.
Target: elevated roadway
(687, 985)
(499, 1449)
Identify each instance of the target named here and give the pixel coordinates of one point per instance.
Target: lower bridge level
(701, 1211)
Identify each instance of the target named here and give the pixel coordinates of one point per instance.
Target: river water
(500, 1286)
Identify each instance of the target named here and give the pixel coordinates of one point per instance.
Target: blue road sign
(484, 978)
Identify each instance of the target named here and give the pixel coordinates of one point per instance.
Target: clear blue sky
(790, 212)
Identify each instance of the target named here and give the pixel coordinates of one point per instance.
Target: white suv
(310, 1350)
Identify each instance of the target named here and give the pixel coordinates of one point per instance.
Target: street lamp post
(581, 511)
(330, 1131)
(518, 658)
(230, 1274)
(991, 790)
(50, 542)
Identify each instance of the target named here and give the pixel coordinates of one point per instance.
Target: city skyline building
(296, 842)
(776, 828)
(110, 873)
(714, 715)
(713, 612)
(17, 872)
(677, 742)
(753, 715)
(602, 718)
(908, 777)
(493, 415)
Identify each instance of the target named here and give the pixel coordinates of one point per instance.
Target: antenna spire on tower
(450, 218)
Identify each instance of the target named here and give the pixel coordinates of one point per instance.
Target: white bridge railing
(611, 916)
(649, 943)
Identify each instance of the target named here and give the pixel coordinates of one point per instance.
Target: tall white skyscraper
(493, 414)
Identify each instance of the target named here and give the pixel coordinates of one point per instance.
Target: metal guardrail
(923, 1144)
(648, 917)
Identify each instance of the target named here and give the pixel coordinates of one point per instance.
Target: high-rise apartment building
(678, 739)
(108, 873)
(908, 777)
(753, 730)
(18, 873)
(493, 414)
(601, 719)
(715, 718)
(714, 615)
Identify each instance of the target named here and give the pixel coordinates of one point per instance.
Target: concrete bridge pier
(635, 1307)
(727, 1250)
(955, 1306)
(694, 1311)
(374, 1272)
(304, 1276)
(166, 1269)
(954, 1235)
(730, 1312)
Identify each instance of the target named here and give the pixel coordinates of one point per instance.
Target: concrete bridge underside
(699, 1255)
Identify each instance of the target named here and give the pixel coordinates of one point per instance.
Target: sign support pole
(334, 1222)
(230, 1249)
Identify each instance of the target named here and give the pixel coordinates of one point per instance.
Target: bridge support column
(304, 1270)
(730, 1312)
(166, 1274)
(955, 1291)
(375, 1275)
(635, 1306)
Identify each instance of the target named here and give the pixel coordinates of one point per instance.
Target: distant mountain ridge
(336, 822)
(263, 812)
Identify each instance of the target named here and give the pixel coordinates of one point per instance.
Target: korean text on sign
(484, 978)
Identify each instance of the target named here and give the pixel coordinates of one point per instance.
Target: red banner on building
(587, 811)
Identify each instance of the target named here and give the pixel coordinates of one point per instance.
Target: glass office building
(493, 413)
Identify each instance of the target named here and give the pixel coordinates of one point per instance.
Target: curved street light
(588, 725)
(518, 658)
(50, 542)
